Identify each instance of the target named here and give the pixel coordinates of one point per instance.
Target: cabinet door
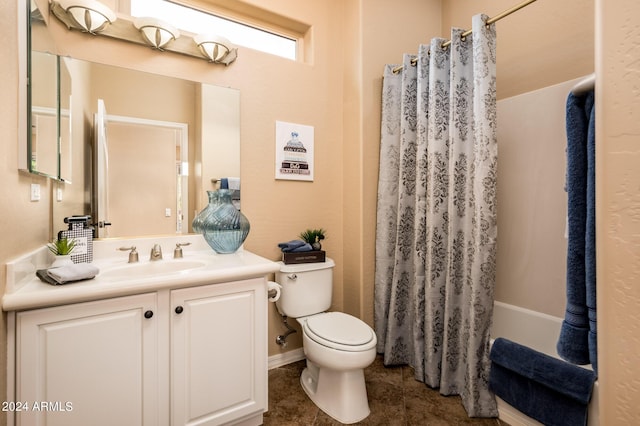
(93, 363)
(219, 353)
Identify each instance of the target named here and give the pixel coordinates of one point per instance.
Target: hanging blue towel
(578, 340)
(295, 246)
(547, 389)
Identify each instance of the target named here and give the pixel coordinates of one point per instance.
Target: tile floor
(395, 398)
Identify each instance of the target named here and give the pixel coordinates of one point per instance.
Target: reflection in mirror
(123, 181)
(212, 150)
(65, 148)
(155, 149)
(42, 149)
(49, 140)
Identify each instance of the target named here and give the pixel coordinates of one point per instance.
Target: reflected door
(142, 179)
(140, 189)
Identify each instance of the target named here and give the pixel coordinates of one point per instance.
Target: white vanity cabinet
(218, 353)
(175, 356)
(93, 363)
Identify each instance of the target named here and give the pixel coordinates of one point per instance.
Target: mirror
(165, 142)
(48, 141)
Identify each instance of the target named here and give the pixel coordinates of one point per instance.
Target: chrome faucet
(156, 252)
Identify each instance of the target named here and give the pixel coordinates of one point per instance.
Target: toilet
(337, 346)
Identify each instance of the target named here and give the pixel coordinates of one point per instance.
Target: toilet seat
(340, 331)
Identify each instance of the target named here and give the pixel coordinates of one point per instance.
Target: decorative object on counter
(295, 246)
(68, 274)
(313, 237)
(305, 250)
(62, 248)
(208, 209)
(223, 226)
(312, 256)
(82, 234)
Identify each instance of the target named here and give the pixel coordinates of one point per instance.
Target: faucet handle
(177, 252)
(133, 254)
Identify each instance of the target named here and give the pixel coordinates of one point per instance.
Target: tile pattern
(395, 398)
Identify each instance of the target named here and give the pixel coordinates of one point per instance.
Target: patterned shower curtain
(436, 218)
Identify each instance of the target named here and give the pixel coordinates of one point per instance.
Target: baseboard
(285, 358)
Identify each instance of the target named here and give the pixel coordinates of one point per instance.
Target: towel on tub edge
(547, 389)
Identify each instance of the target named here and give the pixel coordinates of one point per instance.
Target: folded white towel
(75, 272)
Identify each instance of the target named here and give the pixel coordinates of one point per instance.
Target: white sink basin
(150, 269)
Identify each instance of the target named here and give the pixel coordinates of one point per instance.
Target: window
(199, 22)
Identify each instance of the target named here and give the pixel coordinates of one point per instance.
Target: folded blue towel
(547, 389)
(295, 246)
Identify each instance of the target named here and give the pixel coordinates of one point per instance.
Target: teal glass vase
(224, 227)
(209, 208)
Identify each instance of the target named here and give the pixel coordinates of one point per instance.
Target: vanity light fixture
(156, 33)
(90, 16)
(216, 49)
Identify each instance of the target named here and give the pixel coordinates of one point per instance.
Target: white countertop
(26, 291)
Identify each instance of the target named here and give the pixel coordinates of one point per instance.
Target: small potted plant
(62, 248)
(313, 237)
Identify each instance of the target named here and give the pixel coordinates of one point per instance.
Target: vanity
(169, 342)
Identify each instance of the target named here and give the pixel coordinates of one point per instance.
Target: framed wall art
(294, 151)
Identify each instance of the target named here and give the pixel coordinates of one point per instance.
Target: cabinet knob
(148, 314)
(179, 309)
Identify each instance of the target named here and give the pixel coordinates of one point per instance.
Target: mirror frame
(24, 98)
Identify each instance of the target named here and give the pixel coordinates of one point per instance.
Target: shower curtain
(436, 216)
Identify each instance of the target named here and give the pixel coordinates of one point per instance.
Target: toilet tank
(306, 288)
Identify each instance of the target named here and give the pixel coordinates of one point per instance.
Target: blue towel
(295, 246)
(224, 183)
(578, 340)
(547, 389)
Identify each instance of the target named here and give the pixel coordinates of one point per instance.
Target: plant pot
(62, 260)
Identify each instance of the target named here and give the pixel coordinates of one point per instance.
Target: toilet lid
(340, 331)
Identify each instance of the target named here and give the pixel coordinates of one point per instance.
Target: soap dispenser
(79, 231)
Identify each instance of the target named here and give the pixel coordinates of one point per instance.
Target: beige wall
(543, 44)
(338, 93)
(617, 207)
(382, 35)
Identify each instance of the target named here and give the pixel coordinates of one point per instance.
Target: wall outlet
(35, 192)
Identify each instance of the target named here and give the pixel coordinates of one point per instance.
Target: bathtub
(540, 332)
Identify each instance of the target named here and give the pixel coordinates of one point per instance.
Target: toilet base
(340, 394)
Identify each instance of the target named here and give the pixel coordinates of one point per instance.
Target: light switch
(35, 192)
(167, 212)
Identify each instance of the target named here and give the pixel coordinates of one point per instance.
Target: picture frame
(294, 151)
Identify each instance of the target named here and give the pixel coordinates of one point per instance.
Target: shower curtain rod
(490, 21)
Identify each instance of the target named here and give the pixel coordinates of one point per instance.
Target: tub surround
(171, 341)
